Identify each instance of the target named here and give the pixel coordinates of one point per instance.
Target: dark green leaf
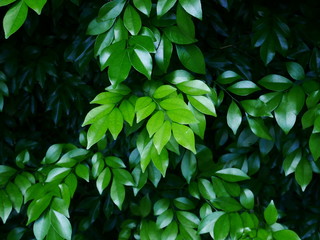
(117, 193)
(141, 61)
(247, 199)
(163, 6)
(15, 196)
(96, 27)
(132, 20)
(275, 82)
(228, 77)
(314, 145)
(234, 117)
(61, 224)
(295, 70)
(258, 128)
(243, 88)
(143, 6)
(193, 7)
(227, 204)
(232, 175)
(303, 173)
(5, 206)
(163, 54)
(192, 58)
(188, 219)
(221, 227)
(111, 10)
(188, 166)
(165, 218)
(285, 234)
(41, 226)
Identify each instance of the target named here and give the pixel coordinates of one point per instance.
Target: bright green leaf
(117, 193)
(141, 60)
(270, 214)
(303, 173)
(184, 136)
(162, 136)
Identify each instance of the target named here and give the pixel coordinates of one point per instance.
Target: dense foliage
(167, 119)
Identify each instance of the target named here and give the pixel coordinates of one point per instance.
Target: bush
(204, 120)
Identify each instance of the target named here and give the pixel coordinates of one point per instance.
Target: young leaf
(115, 122)
(162, 136)
(234, 117)
(184, 136)
(194, 87)
(14, 18)
(182, 116)
(127, 111)
(270, 214)
(164, 91)
(176, 35)
(97, 131)
(36, 5)
(203, 104)
(206, 189)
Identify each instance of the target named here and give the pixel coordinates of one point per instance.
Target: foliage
(204, 122)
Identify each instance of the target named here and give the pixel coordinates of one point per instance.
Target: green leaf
(96, 27)
(275, 82)
(57, 174)
(171, 232)
(295, 70)
(234, 117)
(185, 22)
(247, 199)
(270, 214)
(6, 2)
(285, 234)
(5, 206)
(144, 41)
(232, 175)
(200, 126)
(102, 41)
(103, 180)
(163, 6)
(258, 128)
(188, 233)
(243, 88)
(155, 123)
(127, 111)
(255, 108)
(194, 87)
(236, 228)
(115, 122)
(15, 196)
(41, 226)
(36, 5)
(114, 162)
(291, 162)
(184, 136)
(82, 170)
(182, 116)
(160, 161)
(173, 104)
(37, 207)
(14, 18)
(176, 35)
(303, 173)
(296, 98)
(132, 20)
(179, 76)
(145, 156)
(163, 54)
(285, 116)
(207, 223)
(228, 77)
(165, 218)
(162, 136)
(107, 98)
(206, 189)
(119, 68)
(161, 206)
(22, 158)
(164, 91)
(23, 183)
(108, 54)
(123, 176)
(188, 219)
(61, 224)
(267, 50)
(222, 227)
(117, 193)
(141, 60)
(314, 145)
(111, 10)
(96, 114)
(193, 7)
(143, 6)
(188, 165)
(97, 131)
(192, 58)
(227, 204)
(183, 203)
(203, 104)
